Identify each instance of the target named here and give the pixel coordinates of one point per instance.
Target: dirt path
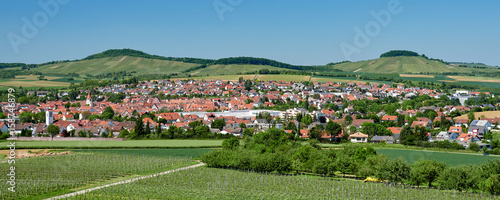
(123, 182)
(123, 58)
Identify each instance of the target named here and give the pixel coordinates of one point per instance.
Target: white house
(358, 138)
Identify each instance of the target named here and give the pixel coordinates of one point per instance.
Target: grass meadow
(114, 144)
(31, 81)
(450, 158)
(285, 77)
(194, 153)
(217, 70)
(223, 77)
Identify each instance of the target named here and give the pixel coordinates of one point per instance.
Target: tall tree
(394, 170)
(333, 128)
(425, 171)
(219, 124)
(139, 128)
(147, 131)
(158, 130)
(53, 130)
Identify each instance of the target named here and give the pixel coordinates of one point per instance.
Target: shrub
(4, 136)
(231, 143)
(492, 184)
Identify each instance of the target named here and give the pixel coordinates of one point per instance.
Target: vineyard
(212, 183)
(48, 176)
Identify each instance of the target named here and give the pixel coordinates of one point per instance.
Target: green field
(194, 153)
(224, 77)
(215, 70)
(32, 81)
(42, 177)
(114, 144)
(452, 159)
(287, 78)
(211, 183)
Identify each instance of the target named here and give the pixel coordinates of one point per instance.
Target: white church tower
(49, 118)
(89, 101)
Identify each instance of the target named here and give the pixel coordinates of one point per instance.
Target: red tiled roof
(394, 130)
(389, 118)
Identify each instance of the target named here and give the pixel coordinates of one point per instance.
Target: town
(329, 111)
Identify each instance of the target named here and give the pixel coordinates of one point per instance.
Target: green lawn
(114, 144)
(449, 158)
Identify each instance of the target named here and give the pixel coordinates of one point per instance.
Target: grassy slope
(145, 66)
(113, 64)
(399, 65)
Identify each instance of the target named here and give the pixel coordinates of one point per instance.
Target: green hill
(115, 64)
(141, 63)
(145, 66)
(128, 60)
(399, 64)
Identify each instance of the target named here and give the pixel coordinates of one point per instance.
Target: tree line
(279, 152)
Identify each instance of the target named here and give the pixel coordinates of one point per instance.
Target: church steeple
(89, 100)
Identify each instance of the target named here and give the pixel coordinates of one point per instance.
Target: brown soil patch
(416, 75)
(122, 58)
(23, 153)
(371, 62)
(55, 67)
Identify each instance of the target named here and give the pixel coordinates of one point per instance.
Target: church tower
(49, 118)
(89, 101)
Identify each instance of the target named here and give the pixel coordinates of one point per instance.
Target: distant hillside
(133, 62)
(399, 64)
(143, 66)
(222, 61)
(473, 65)
(104, 65)
(129, 60)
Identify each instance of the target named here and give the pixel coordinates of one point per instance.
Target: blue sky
(291, 31)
